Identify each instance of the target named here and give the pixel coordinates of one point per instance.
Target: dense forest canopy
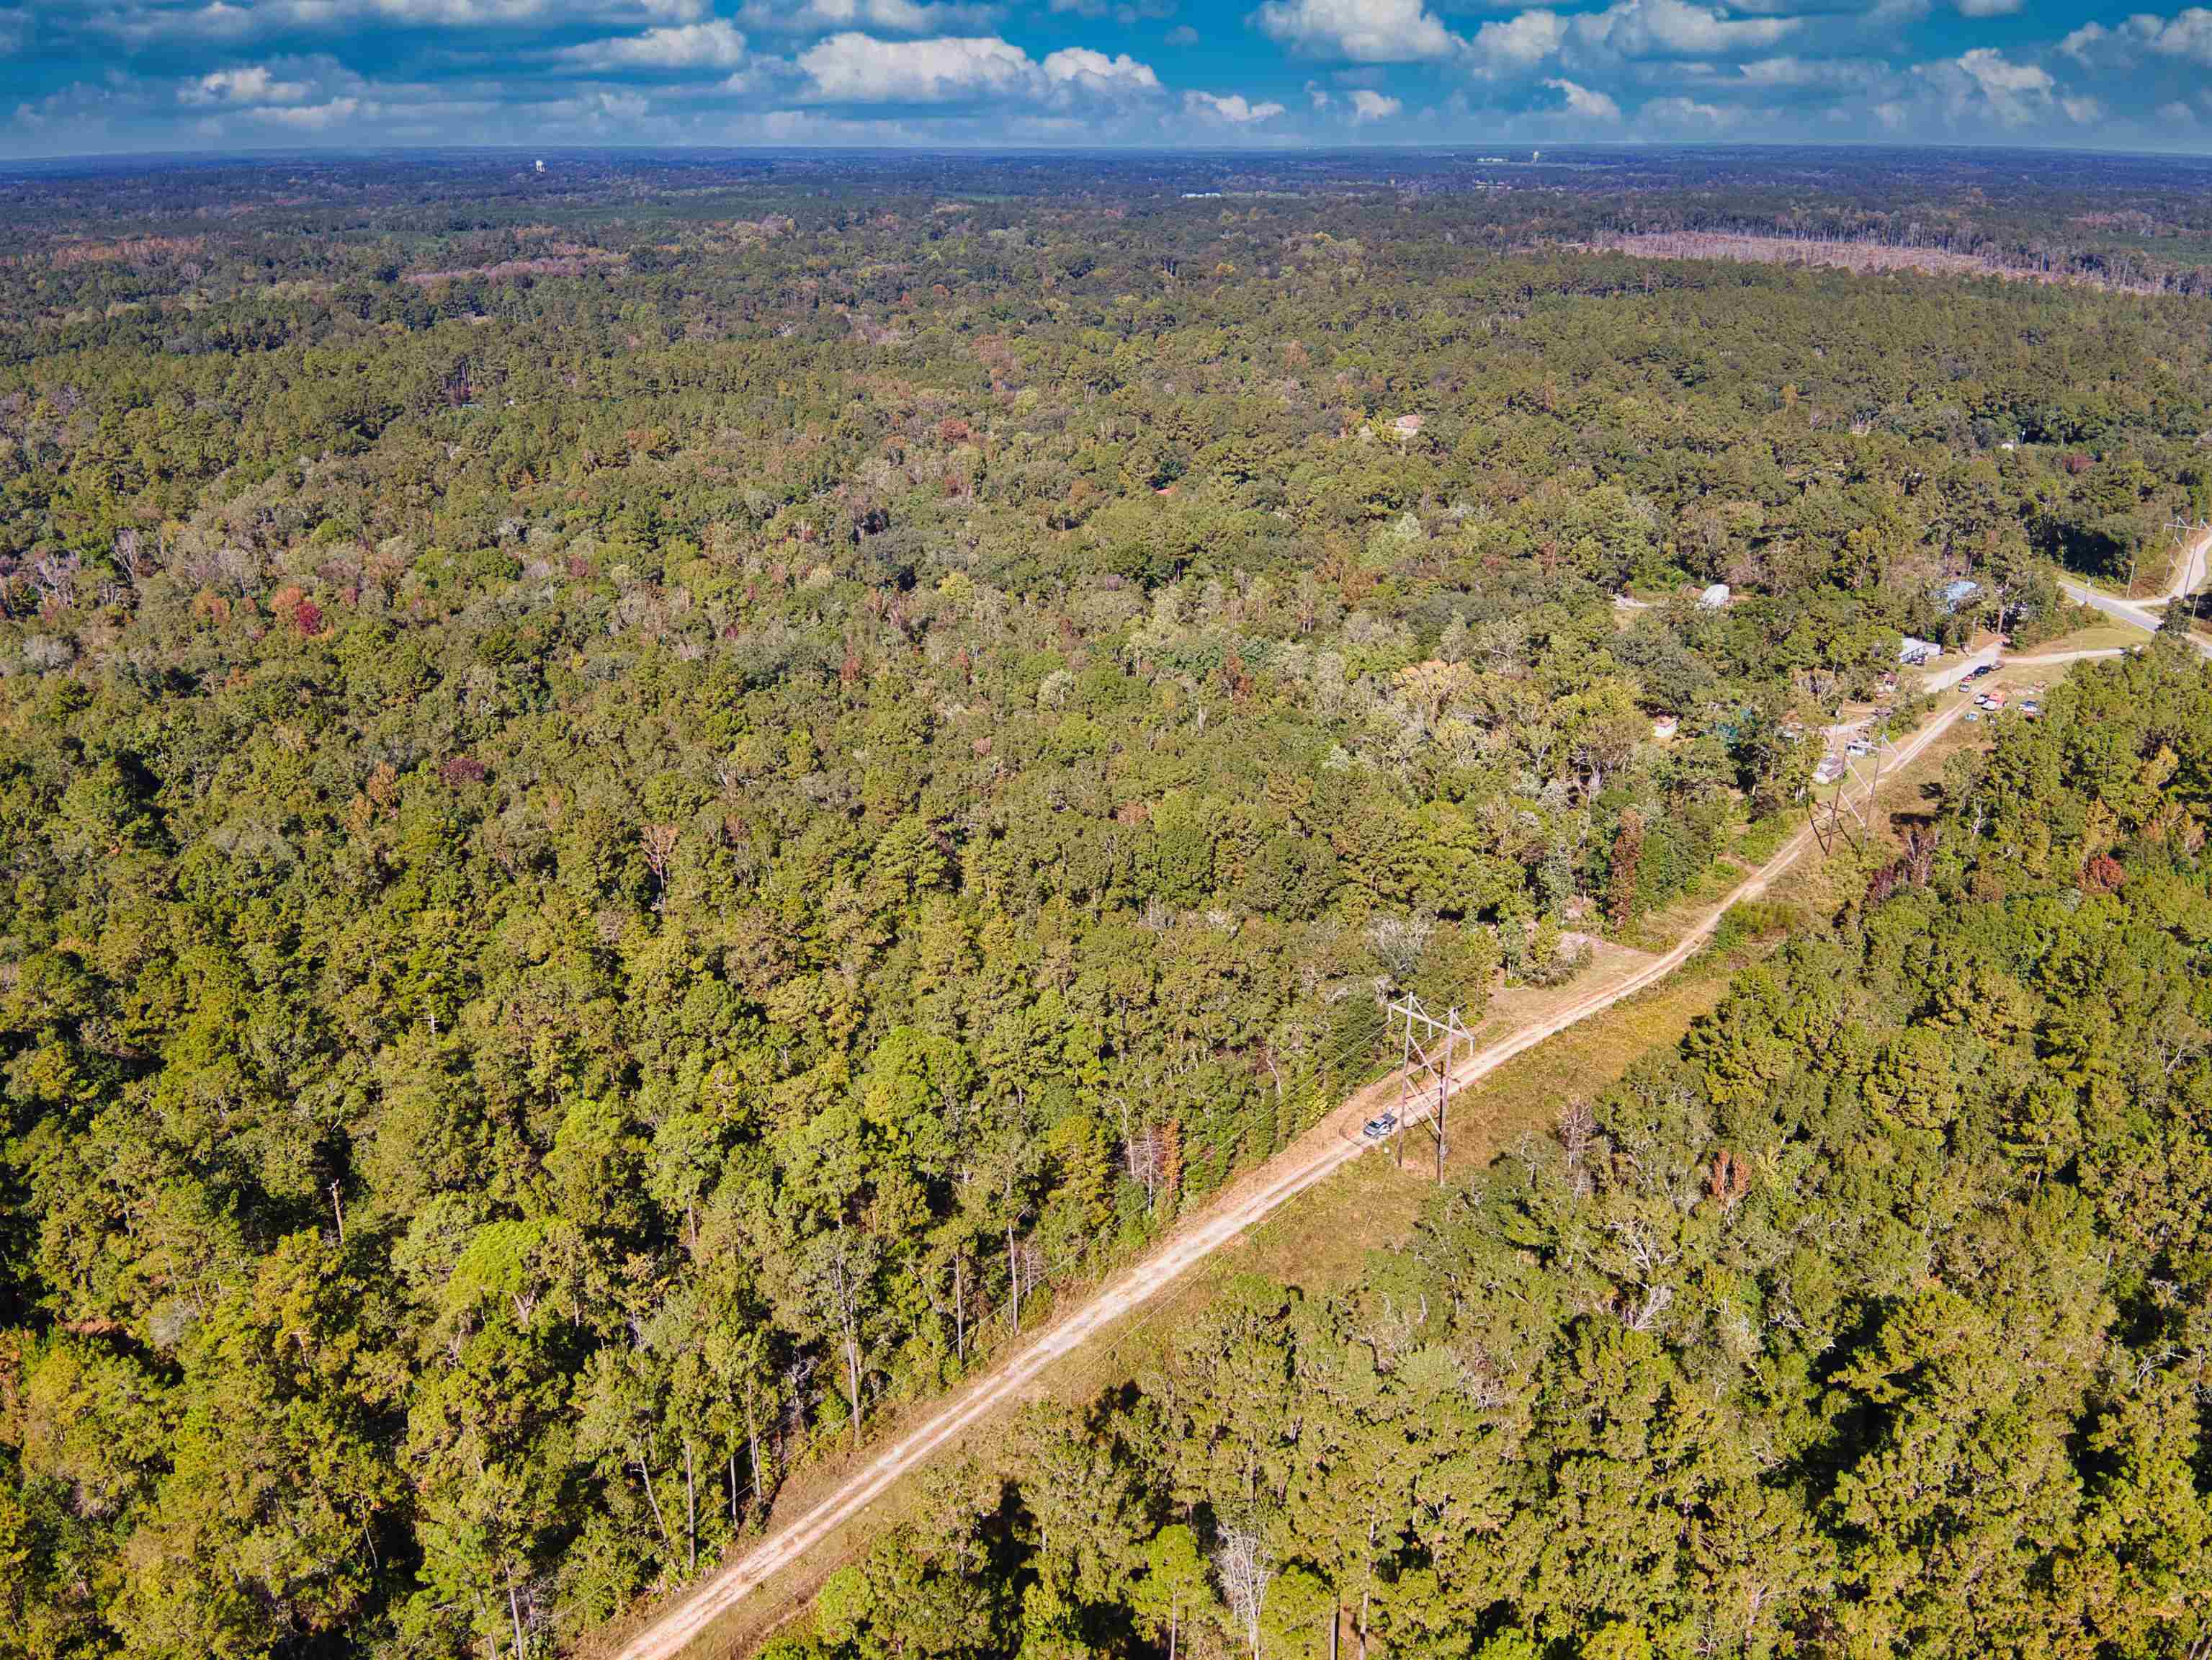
(641, 803)
(1872, 1321)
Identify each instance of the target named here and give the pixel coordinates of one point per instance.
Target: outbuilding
(1917, 653)
(1959, 594)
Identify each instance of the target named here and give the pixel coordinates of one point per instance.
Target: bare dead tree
(1578, 1130)
(54, 576)
(1246, 1570)
(134, 557)
(658, 842)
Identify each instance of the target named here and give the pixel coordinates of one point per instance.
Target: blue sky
(91, 75)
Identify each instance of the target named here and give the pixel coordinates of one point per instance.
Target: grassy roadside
(1321, 1240)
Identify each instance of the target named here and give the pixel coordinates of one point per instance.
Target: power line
(1434, 1043)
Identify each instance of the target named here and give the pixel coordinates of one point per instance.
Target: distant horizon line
(89, 158)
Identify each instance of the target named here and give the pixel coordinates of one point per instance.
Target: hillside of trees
(641, 812)
(1873, 1320)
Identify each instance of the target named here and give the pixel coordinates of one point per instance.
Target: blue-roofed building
(1958, 593)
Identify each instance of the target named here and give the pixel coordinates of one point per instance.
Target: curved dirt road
(1306, 1162)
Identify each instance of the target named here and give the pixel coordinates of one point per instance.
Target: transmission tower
(1850, 814)
(1425, 1072)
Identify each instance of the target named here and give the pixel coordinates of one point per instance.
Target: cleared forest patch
(1858, 256)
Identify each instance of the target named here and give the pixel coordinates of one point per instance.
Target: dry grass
(2105, 636)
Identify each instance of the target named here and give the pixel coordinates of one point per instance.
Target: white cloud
(2186, 35)
(1778, 72)
(711, 45)
(313, 117)
(602, 109)
(1124, 12)
(1081, 68)
(859, 68)
(1677, 28)
(146, 22)
(2084, 41)
(1987, 8)
(893, 16)
(1182, 35)
(1519, 43)
(1374, 107)
(1630, 29)
(813, 127)
(1687, 112)
(1364, 31)
(1583, 102)
(1997, 74)
(253, 85)
(1231, 108)
(1984, 85)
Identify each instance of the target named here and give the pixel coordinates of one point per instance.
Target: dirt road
(1328, 1147)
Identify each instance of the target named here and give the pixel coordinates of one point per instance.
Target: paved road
(2147, 614)
(1326, 1149)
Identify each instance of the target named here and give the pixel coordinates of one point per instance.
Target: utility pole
(1431, 1047)
(2179, 528)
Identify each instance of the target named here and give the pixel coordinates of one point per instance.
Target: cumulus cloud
(1677, 28)
(711, 45)
(255, 84)
(1124, 12)
(859, 68)
(1627, 31)
(1982, 85)
(1364, 31)
(146, 22)
(1368, 106)
(2085, 42)
(1231, 108)
(1584, 102)
(1519, 43)
(1687, 112)
(2186, 35)
(1081, 68)
(892, 16)
(313, 117)
(1787, 72)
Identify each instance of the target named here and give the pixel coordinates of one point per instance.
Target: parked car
(1376, 1128)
